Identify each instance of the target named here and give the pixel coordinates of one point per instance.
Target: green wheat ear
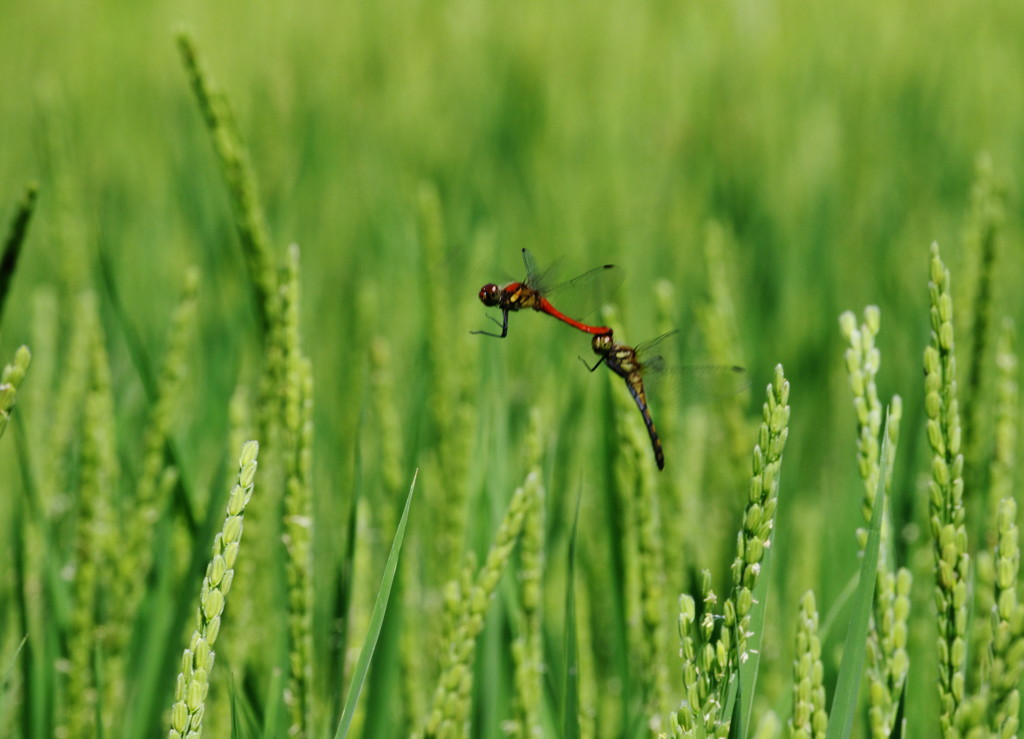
(982, 253)
(81, 682)
(763, 497)
(96, 483)
(654, 635)
(298, 503)
(450, 407)
(998, 641)
(1007, 617)
(197, 660)
(386, 429)
(718, 319)
(63, 423)
(468, 600)
(888, 661)
(946, 512)
(254, 236)
(809, 720)
(10, 379)
(1004, 456)
(527, 648)
(715, 649)
(241, 181)
(134, 554)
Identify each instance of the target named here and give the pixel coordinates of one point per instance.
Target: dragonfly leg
(588, 366)
(503, 323)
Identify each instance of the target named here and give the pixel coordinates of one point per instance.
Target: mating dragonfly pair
(631, 363)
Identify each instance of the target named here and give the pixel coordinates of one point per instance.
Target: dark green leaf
(844, 704)
(380, 608)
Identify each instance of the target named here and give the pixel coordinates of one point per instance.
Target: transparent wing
(534, 277)
(699, 383)
(665, 378)
(580, 296)
(653, 352)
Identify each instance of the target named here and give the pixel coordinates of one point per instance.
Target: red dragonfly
(582, 293)
(633, 363)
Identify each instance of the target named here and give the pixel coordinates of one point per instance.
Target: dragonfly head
(490, 295)
(602, 343)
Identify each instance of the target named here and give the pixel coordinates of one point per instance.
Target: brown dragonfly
(633, 364)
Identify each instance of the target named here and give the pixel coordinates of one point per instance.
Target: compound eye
(490, 295)
(601, 343)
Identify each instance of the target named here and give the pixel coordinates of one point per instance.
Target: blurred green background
(831, 141)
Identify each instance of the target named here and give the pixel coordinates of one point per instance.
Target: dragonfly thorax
(625, 359)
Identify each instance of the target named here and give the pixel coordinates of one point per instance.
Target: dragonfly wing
(667, 343)
(535, 278)
(658, 361)
(532, 274)
(711, 382)
(582, 295)
(655, 366)
(665, 378)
